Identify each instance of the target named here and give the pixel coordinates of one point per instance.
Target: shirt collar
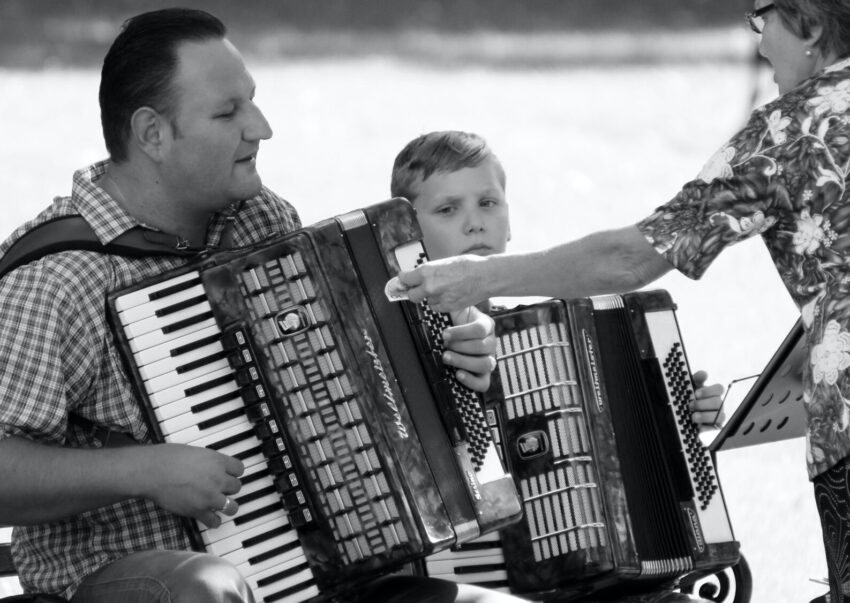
(101, 211)
(839, 65)
(109, 219)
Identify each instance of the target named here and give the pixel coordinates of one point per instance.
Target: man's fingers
(209, 519)
(234, 466)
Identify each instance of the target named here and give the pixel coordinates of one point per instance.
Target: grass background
(599, 110)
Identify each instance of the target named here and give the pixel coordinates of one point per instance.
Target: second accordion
(593, 417)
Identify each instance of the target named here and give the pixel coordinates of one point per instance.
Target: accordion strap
(73, 232)
(67, 233)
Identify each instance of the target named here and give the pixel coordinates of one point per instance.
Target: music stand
(773, 408)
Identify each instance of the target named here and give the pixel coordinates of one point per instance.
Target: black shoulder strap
(73, 232)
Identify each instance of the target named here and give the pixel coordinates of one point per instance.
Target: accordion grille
(324, 412)
(562, 502)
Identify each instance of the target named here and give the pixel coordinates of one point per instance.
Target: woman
(783, 176)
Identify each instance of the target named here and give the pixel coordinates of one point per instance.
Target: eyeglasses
(756, 18)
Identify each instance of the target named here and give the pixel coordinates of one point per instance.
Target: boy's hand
(707, 413)
(471, 347)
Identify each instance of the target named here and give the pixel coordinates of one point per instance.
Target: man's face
(464, 212)
(210, 153)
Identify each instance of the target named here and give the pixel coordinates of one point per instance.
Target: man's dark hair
(138, 70)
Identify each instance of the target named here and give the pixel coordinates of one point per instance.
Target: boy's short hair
(443, 151)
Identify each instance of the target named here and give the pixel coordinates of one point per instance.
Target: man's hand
(471, 347)
(194, 482)
(707, 413)
(447, 285)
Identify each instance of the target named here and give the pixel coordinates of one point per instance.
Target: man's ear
(147, 128)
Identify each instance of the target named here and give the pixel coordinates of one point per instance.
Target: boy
(457, 186)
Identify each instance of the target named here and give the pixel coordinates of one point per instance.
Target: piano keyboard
(196, 399)
(480, 562)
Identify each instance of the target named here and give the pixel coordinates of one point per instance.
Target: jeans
(190, 577)
(165, 577)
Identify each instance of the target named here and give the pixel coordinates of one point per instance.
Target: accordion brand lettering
(385, 385)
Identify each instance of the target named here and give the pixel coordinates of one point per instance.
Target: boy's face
(464, 212)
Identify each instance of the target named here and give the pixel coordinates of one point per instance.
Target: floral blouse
(784, 177)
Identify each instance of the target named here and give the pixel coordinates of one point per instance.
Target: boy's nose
(474, 223)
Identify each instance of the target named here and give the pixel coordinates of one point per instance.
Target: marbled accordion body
(362, 453)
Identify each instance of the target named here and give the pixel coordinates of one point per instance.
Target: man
(97, 524)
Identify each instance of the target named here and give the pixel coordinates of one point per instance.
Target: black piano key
(213, 402)
(268, 535)
(246, 498)
(194, 345)
(287, 591)
(182, 324)
(239, 437)
(174, 289)
(270, 554)
(477, 569)
(181, 305)
(248, 517)
(212, 383)
(222, 418)
(190, 366)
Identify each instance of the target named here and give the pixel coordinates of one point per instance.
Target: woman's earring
(808, 52)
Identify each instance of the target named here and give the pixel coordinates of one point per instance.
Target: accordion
(592, 416)
(362, 452)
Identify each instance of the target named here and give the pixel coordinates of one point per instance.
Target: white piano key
(184, 404)
(494, 555)
(173, 378)
(471, 577)
(191, 420)
(158, 352)
(193, 433)
(156, 324)
(149, 309)
(154, 338)
(142, 296)
(440, 561)
(170, 364)
(301, 577)
(244, 444)
(245, 559)
(229, 529)
(178, 392)
(223, 546)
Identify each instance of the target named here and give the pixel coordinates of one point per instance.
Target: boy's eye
(227, 113)
(445, 210)
(488, 202)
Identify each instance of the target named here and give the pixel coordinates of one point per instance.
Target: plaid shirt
(58, 355)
